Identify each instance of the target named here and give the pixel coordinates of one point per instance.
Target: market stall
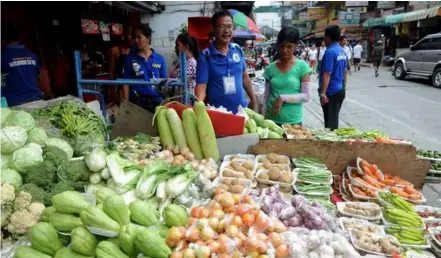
(177, 189)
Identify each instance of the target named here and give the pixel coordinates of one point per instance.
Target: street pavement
(409, 109)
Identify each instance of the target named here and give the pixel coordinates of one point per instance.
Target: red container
(223, 124)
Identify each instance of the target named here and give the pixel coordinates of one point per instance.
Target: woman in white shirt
(312, 57)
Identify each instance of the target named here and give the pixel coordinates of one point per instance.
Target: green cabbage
(62, 144)
(96, 160)
(20, 118)
(38, 136)
(25, 158)
(34, 146)
(4, 160)
(11, 177)
(4, 113)
(12, 139)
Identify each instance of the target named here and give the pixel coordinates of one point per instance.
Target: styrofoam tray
(90, 198)
(362, 173)
(342, 190)
(245, 182)
(380, 229)
(420, 208)
(387, 223)
(426, 158)
(270, 182)
(297, 166)
(312, 193)
(296, 173)
(434, 171)
(342, 205)
(433, 232)
(357, 196)
(259, 157)
(242, 156)
(424, 254)
(353, 241)
(355, 182)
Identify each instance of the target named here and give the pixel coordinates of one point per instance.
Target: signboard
(356, 3)
(349, 18)
(303, 16)
(320, 25)
(316, 13)
(357, 9)
(420, 2)
(385, 4)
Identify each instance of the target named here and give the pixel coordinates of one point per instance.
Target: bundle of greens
(313, 175)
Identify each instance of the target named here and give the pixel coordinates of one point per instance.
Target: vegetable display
(297, 132)
(256, 123)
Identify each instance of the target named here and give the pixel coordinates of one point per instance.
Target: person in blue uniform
(145, 64)
(221, 73)
(333, 74)
(22, 69)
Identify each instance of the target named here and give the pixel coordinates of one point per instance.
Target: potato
(272, 157)
(236, 189)
(264, 160)
(248, 165)
(262, 185)
(264, 176)
(249, 175)
(260, 166)
(291, 131)
(241, 169)
(235, 182)
(283, 160)
(267, 165)
(227, 173)
(286, 178)
(223, 187)
(235, 164)
(227, 181)
(274, 174)
(286, 189)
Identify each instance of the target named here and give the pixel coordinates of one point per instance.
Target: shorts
(357, 61)
(376, 62)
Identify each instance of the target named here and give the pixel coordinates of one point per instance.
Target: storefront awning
(422, 14)
(403, 17)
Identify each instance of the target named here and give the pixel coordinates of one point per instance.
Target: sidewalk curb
(365, 65)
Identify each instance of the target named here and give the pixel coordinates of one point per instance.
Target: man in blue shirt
(333, 72)
(21, 67)
(221, 73)
(144, 63)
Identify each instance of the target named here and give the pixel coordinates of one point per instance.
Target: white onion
(189, 156)
(184, 150)
(176, 150)
(169, 147)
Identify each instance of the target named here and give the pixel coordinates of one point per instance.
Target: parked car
(422, 59)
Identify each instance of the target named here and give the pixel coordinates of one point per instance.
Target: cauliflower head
(20, 222)
(7, 192)
(22, 200)
(36, 209)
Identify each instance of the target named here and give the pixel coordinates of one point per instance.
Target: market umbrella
(242, 21)
(241, 33)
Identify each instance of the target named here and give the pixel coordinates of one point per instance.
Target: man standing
(321, 52)
(312, 58)
(21, 67)
(358, 49)
(333, 71)
(344, 45)
(221, 72)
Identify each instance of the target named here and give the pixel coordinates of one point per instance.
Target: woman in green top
(287, 82)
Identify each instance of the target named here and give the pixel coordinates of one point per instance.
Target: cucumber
(177, 128)
(165, 133)
(191, 132)
(206, 132)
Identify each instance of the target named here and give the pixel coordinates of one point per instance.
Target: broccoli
(38, 194)
(75, 172)
(42, 174)
(56, 189)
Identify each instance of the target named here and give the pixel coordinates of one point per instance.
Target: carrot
(374, 168)
(367, 171)
(409, 190)
(358, 191)
(399, 192)
(415, 196)
(361, 181)
(206, 132)
(387, 176)
(364, 163)
(389, 182)
(372, 181)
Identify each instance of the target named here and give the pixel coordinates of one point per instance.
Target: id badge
(229, 85)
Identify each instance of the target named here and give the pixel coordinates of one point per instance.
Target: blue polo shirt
(334, 61)
(136, 67)
(22, 68)
(213, 67)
